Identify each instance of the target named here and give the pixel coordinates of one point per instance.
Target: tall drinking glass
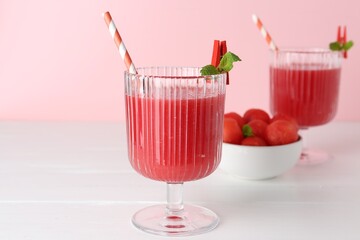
(304, 84)
(174, 134)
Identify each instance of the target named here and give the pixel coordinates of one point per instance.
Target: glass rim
(191, 76)
(306, 50)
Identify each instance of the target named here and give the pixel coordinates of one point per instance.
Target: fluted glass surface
(174, 122)
(304, 84)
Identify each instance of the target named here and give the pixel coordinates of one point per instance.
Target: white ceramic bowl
(258, 163)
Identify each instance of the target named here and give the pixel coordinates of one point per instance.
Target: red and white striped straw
(119, 43)
(264, 33)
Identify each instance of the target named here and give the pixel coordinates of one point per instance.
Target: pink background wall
(58, 62)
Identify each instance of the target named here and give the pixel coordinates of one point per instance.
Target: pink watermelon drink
(174, 126)
(304, 84)
(309, 95)
(174, 122)
(175, 140)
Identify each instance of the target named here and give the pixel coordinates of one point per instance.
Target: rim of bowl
(274, 146)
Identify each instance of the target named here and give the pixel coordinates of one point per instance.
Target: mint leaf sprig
(339, 46)
(225, 65)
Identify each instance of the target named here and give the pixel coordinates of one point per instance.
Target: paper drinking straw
(119, 43)
(264, 33)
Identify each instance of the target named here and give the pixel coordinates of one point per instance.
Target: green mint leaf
(226, 62)
(348, 45)
(247, 130)
(209, 70)
(335, 46)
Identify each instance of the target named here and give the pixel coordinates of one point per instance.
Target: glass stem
(304, 154)
(303, 133)
(175, 204)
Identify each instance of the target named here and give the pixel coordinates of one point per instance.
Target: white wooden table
(73, 181)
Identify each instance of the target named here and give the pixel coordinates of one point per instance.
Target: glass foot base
(314, 157)
(192, 220)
